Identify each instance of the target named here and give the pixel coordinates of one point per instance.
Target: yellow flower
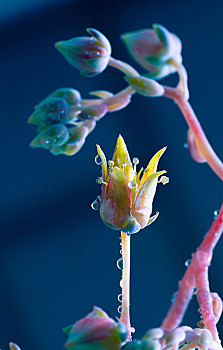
(127, 196)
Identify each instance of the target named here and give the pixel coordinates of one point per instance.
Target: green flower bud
(71, 96)
(88, 54)
(54, 110)
(55, 135)
(145, 86)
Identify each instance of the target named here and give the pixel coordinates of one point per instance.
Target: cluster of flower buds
(96, 331)
(62, 124)
(157, 50)
(127, 196)
(184, 338)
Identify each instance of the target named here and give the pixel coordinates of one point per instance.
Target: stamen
(164, 179)
(135, 162)
(100, 181)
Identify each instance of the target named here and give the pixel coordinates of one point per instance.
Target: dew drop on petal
(185, 145)
(94, 205)
(120, 264)
(98, 160)
(120, 283)
(187, 262)
(132, 185)
(120, 298)
(121, 251)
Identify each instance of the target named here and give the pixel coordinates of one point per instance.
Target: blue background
(57, 258)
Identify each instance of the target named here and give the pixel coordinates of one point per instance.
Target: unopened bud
(54, 110)
(88, 54)
(55, 135)
(145, 86)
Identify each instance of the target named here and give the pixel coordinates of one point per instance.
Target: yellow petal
(142, 206)
(104, 162)
(121, 155)
(152, 219)
(152, 166)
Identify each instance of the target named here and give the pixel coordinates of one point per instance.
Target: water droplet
(216, 212)
(194, 290)
(132, 185)
(119, 309)
(98, 160)
(121, 251)
(187, 262)
(120, 298)
(111, 163)
(124, 165)
(120, 264)
(120, 283)
(132, 330)
(185, 145)
(173, 297)
(94, 205)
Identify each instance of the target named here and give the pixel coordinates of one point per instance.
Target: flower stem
(124, 67)
(193, 123)
(196, 275)
(125, 283)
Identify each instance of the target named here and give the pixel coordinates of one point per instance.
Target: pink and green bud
(55, 135)
(88, 54)
(154, 49)
(77, 137)
(145, 86)
(127, 196)
(96, 331)
(53, 110)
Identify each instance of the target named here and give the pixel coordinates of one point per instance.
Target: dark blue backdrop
(57, 259)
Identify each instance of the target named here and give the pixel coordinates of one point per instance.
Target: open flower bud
(96, 331)
(88, 54)
(126, 199)
(154, 49)
(55, 135)
(145, 86)
(53, 110)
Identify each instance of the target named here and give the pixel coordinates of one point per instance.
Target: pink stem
(193, 123)
(197, 276)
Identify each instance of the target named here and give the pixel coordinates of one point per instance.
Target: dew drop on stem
(94, 205)
(120, 264)
(187, 262)
(98, 160)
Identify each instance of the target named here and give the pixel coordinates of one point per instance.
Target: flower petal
(142, 205)
(153, 218)
(116, 203)
(121, 155)
(152, 166)
(104, 162)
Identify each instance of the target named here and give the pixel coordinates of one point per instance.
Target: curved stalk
(193, 123)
